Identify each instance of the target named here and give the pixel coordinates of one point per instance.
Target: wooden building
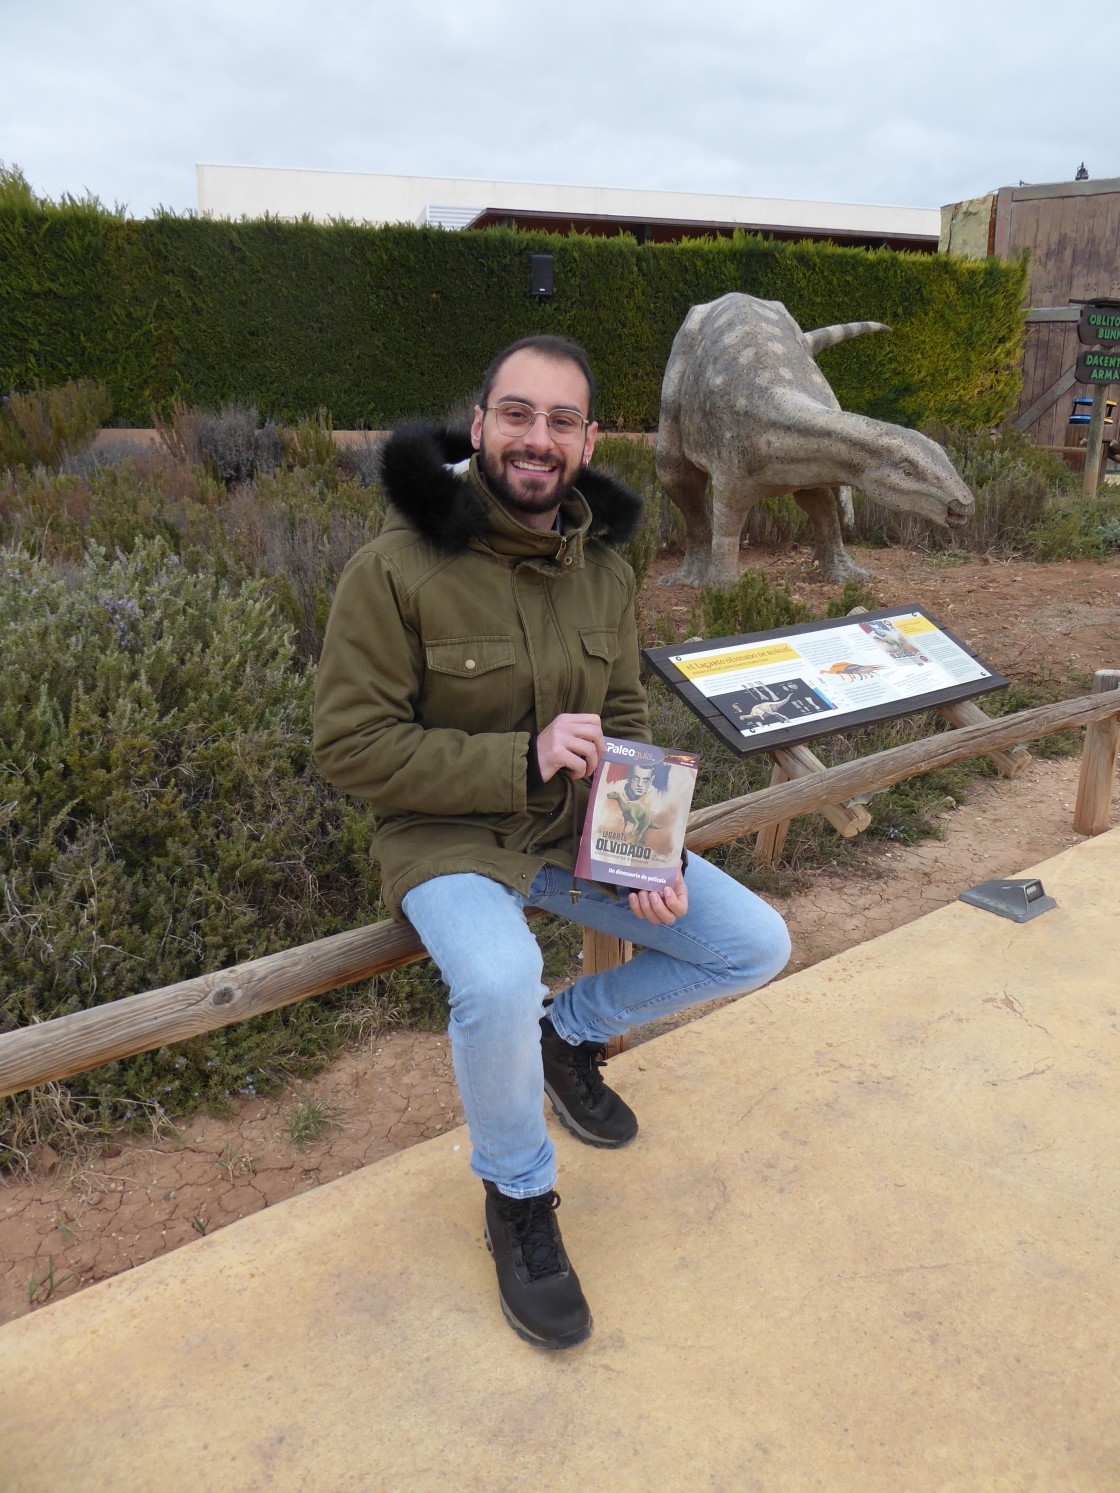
(1072, 231)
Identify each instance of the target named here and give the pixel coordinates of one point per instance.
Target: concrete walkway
(866, 1239)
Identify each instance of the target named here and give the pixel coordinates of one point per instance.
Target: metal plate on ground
(1019, 900)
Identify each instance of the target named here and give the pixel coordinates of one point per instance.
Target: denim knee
(502, 999)
(756, 949)
(773, 947)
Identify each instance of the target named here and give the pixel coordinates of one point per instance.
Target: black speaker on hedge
(540, 276)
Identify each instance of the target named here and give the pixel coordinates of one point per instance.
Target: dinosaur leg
(847, 508)
(687, 486)
(820, 503)
(730, 506)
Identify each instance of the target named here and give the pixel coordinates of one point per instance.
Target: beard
(535, 494)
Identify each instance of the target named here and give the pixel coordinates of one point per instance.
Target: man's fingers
(570, 743)
(665, 906)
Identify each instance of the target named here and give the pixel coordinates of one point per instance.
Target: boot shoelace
(533, 1227)
(587, 1060)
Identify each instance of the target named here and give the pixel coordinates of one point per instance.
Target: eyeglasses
(514, 418)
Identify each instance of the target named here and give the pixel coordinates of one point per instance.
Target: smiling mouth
(524, 464)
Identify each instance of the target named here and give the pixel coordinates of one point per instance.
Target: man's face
(530, 473)
(639, 781)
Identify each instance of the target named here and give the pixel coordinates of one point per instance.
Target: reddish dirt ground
(78, 1222)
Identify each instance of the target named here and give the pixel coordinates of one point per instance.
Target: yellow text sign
(698, 667)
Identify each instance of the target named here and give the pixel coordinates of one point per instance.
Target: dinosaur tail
(829, 336)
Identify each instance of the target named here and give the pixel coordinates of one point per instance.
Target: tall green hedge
(377, 324)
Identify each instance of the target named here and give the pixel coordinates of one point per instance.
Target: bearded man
(476, 654)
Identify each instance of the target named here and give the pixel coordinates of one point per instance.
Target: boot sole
(573, 1127)
(569, 1340)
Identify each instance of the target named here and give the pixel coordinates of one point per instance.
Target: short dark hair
(559, 349)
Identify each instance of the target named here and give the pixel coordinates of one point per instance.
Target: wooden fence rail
(72, 1044)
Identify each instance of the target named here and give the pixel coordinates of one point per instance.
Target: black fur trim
(450, 512)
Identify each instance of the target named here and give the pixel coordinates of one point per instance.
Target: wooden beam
(137, 1023)
(1046, 401)
(72, 1044)
(968, 713)
(1098, 764)
(722, 822)
(118, 1029)
(1105, 186)
(1001, 234)
(799, 762)
(1038, 314)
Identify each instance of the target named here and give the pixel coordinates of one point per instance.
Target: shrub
(228, 441)
(296, 534)
(632, 463)
(752, 604)
(160, 816)
(113, 504)
(47, 425)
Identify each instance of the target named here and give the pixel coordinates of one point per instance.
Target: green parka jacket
(456, 636)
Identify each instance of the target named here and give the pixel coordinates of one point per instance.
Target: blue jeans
(728, 942)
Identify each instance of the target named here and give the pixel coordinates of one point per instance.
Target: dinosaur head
(909, 473)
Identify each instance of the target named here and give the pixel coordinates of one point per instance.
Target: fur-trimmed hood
(424, 474)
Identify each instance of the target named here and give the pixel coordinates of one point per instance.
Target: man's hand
(572, 744)
(661, 907)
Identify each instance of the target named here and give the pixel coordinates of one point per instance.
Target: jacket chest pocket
(600, 649)
(469, 683)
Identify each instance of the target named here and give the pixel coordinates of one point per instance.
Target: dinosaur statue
(744, 403)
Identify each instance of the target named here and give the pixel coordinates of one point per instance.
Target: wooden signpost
(1098, 365)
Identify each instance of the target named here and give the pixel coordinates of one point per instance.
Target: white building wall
(251, 191)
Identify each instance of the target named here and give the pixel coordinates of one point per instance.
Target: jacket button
(567, 559)
(470, 664)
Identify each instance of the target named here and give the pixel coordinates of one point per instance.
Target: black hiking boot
(581, 1099)
(539, 1291)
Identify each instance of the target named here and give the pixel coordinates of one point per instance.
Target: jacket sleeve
(625, 709)
(367, 740)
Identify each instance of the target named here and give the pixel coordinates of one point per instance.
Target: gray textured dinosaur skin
(744, 403)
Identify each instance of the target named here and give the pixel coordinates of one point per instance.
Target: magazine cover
(633, 835)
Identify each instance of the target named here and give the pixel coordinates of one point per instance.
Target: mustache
(533, 456)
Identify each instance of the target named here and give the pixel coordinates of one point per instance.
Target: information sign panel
(1099, 324)
(1098, 366)
(776, 688)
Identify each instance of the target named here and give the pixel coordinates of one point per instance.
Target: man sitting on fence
(475, 655)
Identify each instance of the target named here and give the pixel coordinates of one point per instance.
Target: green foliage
(160, 816)
(632, 463)
(378, 324)
(48, 425)
(753, 604)
(853, 594)
(115, 506)
(308, 1119)
(15, 189)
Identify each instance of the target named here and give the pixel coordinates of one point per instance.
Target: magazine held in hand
(633, 835)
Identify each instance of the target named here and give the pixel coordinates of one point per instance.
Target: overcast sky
(873, 101)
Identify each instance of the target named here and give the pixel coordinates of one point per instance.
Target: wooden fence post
(602, 951)
(1094, 444)
(1098, 764)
